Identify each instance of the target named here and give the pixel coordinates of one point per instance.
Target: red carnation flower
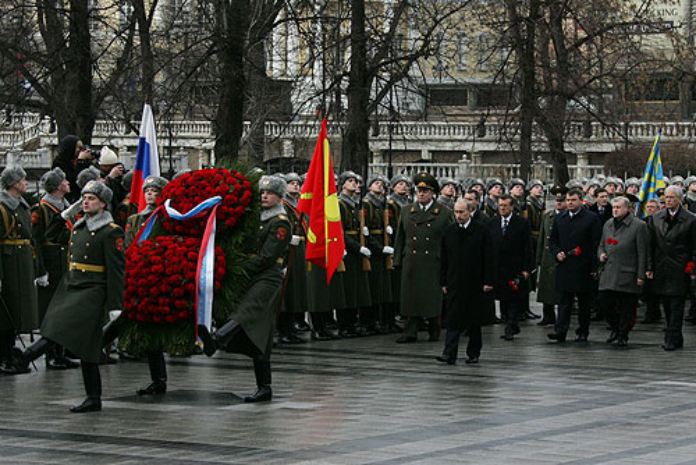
(690, 266)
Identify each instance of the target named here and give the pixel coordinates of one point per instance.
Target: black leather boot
(262, 373)
(92, 380)
(112, 330)
(56, 359)
(219, 339)
(21, 360)
(158, 374)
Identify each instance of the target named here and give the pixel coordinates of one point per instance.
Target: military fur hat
(345, 176)
(359, 179)
(11, 176)
(574, 184)
(677, 178)
(51, 180)
(376, 178)
(690, 180)
(446, 181)
(594, 182)
(477, 181)
(87, 175)
(156, 182)
(290, 177)
(493, 182)
(609, 180)
(666, 180)
(99, 189)
(535, 182)
(516, 182)
(274, 184)
(399, 178)
(426, 181)
(632, 182)
(127, 181)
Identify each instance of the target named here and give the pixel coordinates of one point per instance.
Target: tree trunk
(356, 147)
(258, 102)
(146, 56)
(233, 22)
(528, 99)
(558, 156)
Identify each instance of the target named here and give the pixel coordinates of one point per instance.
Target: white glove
(295, 240)
(345, 252)
(284, 271)
(113, 314)
(390, 231)
(388, 250)
(365, 251)
(366, 231)
(70, 212)
(42, 281)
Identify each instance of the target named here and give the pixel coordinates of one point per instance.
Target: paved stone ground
(370, 401)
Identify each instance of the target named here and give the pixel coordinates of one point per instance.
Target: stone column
(539, 169)
(464, 168)
(583, 161)
(426, 155)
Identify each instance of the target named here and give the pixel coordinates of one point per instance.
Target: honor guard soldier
(418, 240)
(357, 258)
(401, 190)
(448, 192)
(494, 189)
(249, 330)
(152, 190)
(379, 242)
(18, 303)
(92, 287)
(292, 316)
(52, 237)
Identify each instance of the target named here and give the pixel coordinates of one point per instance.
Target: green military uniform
(92, 286)
(51, 235)
(546, 263)
(418, 241)
(295, 298)
(17, 266)
(134, 223)
(355, 280)
(257, 310)
(395, 204)
(380, 283)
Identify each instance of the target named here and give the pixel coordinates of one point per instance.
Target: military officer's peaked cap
(559, 191)
(426, 181)
(11, 176)
(274, 184)
(631, 198)
(51, 180)
(155, 181)
(99, 189)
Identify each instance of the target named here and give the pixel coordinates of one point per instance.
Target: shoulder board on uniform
(390, 201)
(436, 210)
(413, 209)
(114, 226)
(283, 217)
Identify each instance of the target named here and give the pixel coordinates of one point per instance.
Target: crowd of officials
(421, 254)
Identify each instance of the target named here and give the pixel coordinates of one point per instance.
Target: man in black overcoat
(466, 273)
(574, 239)
(512, 249)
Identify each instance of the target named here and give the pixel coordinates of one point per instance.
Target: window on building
(125, 11)
(659, 87)
(448, 96)
(484, 52)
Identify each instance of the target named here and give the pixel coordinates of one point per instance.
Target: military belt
(86, 267)
(376, 231)
(16, 241)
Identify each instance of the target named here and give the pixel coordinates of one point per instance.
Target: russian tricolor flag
(146, 159)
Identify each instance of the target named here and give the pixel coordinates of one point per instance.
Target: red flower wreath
(192, 188)
(161, 279)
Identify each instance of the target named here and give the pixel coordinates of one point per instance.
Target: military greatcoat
(91, 288)
(418, 240)
(546, 263)
(355, 280)
(256, 312)
(380, 282)
(295, 298)
(51, 236)
(17, 266)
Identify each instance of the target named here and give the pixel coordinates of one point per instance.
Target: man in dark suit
(574, 239)
(672, 247)
(474, 197)
(601, 206)
(466, 273)
(513, 254)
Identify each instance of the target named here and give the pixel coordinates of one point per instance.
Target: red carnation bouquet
(161, 276)
(192, 188)
(160, 281)
(577, 251)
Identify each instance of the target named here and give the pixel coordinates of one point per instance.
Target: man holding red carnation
(573, 243)
(249, 330)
